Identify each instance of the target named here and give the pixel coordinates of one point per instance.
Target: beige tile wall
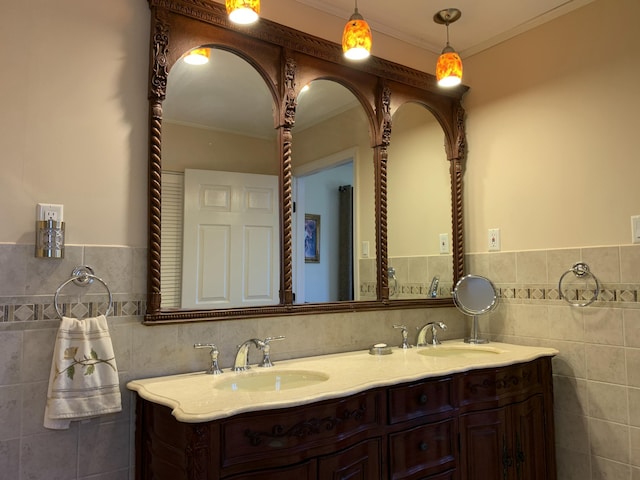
(597, 373)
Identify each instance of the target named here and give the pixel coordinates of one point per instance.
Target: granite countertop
(199, 397)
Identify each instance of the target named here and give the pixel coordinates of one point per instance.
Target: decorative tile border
(626, 295)
(406, 290)
(11, 310)
(623, 294)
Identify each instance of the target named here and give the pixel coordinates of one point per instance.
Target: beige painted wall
(552, 119)
(214, 150)
(74, 118)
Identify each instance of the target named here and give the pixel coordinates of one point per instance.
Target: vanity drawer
(423, 450)
(416, 400)
(267, 437)
(499, 385)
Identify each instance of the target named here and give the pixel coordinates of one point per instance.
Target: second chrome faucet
(241, 362)
(431, 326)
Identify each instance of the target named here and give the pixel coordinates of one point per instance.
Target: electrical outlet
(444, 243)
(635, 229)
(48, 211)
(494, 239)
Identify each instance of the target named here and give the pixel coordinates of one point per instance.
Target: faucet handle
(405, 336)
(214, 369)
(442, 326)
(265, 346)
(269, 339)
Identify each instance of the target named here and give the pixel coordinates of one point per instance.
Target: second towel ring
(83, 276)
(580, 270)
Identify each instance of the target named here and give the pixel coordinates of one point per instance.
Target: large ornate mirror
(288, 145)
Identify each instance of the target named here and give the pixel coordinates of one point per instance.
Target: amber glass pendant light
(356, 38)
(243, 11)
(449, 66)
(197, 56)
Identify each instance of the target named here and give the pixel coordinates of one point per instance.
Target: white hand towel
(84, 378)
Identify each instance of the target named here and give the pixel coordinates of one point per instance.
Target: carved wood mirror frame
(287, 59)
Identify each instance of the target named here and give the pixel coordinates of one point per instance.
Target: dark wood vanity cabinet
(506, 423)
(483, 424)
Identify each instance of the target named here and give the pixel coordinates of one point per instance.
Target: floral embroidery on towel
(88, 364)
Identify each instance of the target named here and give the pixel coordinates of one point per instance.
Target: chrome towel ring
(580, 270)
(83, 276)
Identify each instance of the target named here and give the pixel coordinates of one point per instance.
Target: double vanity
(449, 411)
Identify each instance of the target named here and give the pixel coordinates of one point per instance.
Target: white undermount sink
(269, 380)
(462, 351)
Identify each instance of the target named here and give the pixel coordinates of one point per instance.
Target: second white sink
(270, 381)
(463, 351)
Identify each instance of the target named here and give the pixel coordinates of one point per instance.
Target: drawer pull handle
(424, 446)
(423, 399)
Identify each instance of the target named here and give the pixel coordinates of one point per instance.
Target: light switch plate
(444, 243)
(365, 249)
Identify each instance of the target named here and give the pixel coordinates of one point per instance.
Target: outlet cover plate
(49, 211)
(494, 240)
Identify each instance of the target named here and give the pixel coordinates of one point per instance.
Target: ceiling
(483, 23)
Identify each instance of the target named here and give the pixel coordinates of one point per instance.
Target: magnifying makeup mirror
(475, 295)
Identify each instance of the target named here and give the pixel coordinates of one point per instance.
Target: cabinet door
(505, 443)
(360, 462)
(484, 445)
(529, 437)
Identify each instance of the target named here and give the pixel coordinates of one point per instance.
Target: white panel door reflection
(231, 237)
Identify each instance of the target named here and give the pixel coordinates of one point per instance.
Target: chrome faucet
(214, 369)
(242, 355)
(422, 334)
(433, 289)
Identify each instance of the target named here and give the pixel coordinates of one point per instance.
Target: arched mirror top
(263, 70)
(286, 60)
(447, 111)
(347, 92)
(336, 95)
(216, 92)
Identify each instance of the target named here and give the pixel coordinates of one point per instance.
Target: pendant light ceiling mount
(449, 66)
(447, 16)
